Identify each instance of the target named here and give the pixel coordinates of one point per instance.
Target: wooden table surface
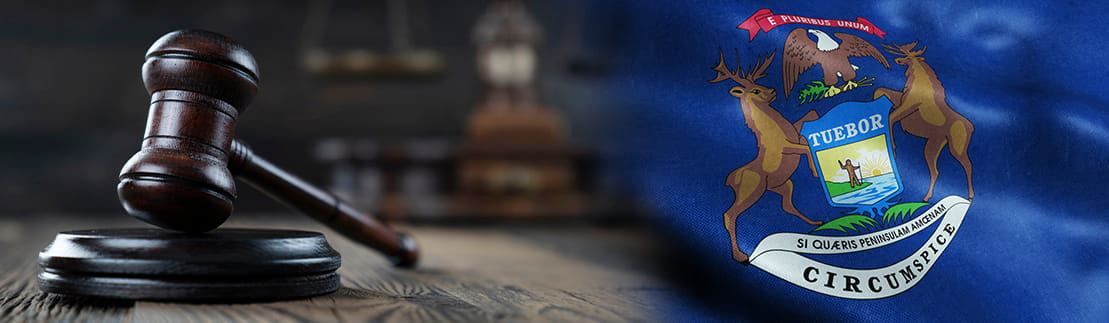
(498, 273)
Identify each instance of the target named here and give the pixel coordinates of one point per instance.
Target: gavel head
(199, 82)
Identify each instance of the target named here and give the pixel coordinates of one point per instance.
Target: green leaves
(897, 213)
(854, 222)
(813, 92)
(861, 223)
(817, 90)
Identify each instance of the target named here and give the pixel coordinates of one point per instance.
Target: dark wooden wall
(72, 105)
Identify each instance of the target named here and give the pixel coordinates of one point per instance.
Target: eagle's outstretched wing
(799, 55)
(857, 47)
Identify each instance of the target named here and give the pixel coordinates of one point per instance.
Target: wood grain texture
(563, 273)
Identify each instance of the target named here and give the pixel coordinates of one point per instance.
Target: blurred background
(442, 111)
(380, 101)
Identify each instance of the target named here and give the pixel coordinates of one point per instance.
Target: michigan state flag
(873, 161)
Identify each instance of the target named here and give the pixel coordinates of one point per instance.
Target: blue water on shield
(880, 188)
(874, 198)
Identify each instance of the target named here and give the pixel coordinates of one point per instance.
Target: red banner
(765, 20)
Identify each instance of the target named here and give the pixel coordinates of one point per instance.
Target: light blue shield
(854, 137)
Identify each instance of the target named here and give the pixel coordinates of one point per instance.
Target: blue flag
(874, 161)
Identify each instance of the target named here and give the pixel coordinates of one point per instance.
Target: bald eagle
(802, 53)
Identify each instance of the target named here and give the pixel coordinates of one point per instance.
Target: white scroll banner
(779, 255)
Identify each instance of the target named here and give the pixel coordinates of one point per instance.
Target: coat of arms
(852, 156)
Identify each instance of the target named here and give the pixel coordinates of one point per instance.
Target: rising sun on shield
(851, 144)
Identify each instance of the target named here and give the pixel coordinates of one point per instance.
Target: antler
(893, 49)
(905, 50)
(918, 52)
(759, 70)
(723, 72)
(756, 72)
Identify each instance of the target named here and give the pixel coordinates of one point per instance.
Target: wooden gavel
(183, 177)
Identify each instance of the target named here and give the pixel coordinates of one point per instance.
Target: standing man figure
(851, 172)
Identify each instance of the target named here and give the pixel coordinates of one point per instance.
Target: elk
(780, 147)
(923, 112)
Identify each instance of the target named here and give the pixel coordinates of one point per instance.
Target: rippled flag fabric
(745, 132)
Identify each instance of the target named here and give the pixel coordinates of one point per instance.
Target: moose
(922, 109)
(780, 147)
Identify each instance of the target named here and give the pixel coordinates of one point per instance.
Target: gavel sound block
(225, 265)
(182, 180)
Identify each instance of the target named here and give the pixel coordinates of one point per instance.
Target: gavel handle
(321, 205)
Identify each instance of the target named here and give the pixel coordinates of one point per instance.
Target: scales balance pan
(224, 265)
